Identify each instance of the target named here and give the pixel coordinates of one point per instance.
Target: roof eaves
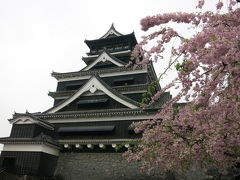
(92, 72)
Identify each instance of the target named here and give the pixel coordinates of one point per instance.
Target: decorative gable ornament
(93, 89)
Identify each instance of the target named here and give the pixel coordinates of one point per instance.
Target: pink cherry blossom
(219, 5)
(206, 131)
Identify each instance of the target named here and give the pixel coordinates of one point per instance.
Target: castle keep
(92, 114)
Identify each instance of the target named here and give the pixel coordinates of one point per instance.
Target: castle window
(86, 130)
(92, 103)
(124, 81)
(74, 85)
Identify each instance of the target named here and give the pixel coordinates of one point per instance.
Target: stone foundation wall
(9, 176)
(98, 166)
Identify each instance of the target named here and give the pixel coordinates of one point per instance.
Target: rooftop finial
(111, 31)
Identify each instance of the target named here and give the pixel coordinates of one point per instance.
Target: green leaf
(195, 107)
(214, 38)
(178, 66)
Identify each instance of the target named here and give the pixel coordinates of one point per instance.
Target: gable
(102, 58)
(111, 33)
(93, 85)
(28, 119)
(24, 120)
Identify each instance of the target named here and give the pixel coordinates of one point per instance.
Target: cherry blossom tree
(206, 131)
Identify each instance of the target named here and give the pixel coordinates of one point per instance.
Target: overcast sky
(41, 36)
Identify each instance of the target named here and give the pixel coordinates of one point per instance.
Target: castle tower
(93, 110)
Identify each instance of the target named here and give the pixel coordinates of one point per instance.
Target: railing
(111, 49)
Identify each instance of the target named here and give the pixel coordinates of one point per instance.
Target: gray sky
(41, 36)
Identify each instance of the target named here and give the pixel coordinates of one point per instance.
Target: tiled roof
(113, 39)
(41, 138)
(96, 113)
(95, 71)
(128, 88)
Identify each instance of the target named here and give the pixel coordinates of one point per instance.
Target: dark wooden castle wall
(124, 58)
(65, 86)
(136, 97)
(110, 104)
(121, 130)
(57, 101)
(137, 79)
(28, 131)
(103, 65)
(31, 163)
(74, 85)
(22, 131)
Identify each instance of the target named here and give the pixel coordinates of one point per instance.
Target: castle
(92, 115)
